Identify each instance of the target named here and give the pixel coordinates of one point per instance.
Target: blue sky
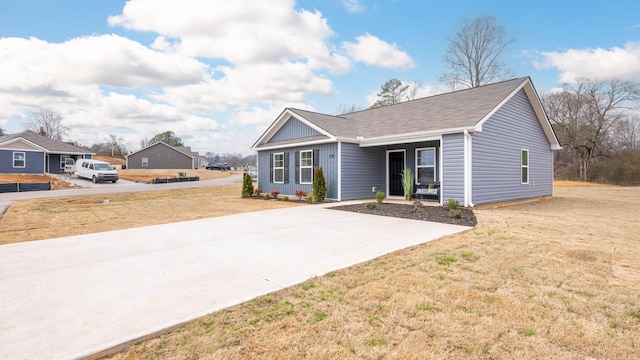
(217, 73)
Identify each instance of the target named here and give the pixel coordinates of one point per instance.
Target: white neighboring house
(96, 170)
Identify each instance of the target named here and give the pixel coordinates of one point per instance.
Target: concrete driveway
(77, 296)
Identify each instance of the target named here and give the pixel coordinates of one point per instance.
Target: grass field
(555, 278)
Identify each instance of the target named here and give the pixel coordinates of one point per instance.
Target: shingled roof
(439, 114)
(47, 144)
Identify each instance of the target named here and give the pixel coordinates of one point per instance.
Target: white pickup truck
(96, 170)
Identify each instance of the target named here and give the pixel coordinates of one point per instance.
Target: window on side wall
(19, 159)
(524, 166)
(425, 165)
(278, 168)
(306, 167)
(145, 161)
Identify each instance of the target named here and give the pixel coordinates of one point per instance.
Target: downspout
(468, 193)
(339, 170)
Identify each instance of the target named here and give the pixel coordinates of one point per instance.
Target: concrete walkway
(76, 296)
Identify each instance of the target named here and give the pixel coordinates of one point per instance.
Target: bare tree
(473, 55)
(48, 123)
(345, 109)
(413, 89)
(627, 134)
(586, 115)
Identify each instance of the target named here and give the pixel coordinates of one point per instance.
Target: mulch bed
(429, 213)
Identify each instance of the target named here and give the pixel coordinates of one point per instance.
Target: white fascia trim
(281, 120)
(286, 146)
(25, 141)
(410, 137)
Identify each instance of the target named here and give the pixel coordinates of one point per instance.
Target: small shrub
(274, 193)
(380, 195)
(454, 209)
(267, 196)
(371, 205)
(300, 194)
(319, 186)
(285, 198)
(247, 185)
(257, 191)
(453, 204)
(418, 206)
(309, 197)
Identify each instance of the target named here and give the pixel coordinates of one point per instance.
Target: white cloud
(353, 6)
(373, 51)
(213, 68)
(597, 63)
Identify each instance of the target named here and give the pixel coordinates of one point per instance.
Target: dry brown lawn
(556, 278)
(553, 279)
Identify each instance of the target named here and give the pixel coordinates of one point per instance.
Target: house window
(145, 161)
(425, 165)
(306, 167)
(19, 159)
(278, 168)
(524, 166)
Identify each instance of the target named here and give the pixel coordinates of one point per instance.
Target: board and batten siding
(362, 169)
(496, 170)
(34, 162)
(293, 129)
(452, 167)
(327, 159)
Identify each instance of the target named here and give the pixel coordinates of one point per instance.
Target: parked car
(221, 167)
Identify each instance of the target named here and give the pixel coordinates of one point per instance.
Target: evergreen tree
(319, 186)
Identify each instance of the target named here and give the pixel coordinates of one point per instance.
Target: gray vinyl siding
(362, 169)
(293, 129)
(34, 162)
(496, 153)
(453, 167)
(160, 157)
(328, 160)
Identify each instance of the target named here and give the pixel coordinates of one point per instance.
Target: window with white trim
(278, 168)
(425, 165)
(524, 166)
(145, 161)
(19, 159)
(306, 167)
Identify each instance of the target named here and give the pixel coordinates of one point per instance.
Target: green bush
(247, 185)
(454, 208)
(267, 196)
(285, 198)
(319, 186)
(371, 205)
(309, 197)
(380, 195)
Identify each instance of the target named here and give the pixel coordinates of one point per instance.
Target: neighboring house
(31, 153)
(162, 156)
(481, 145)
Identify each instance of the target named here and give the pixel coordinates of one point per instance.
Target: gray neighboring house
(481, 145)
(31, 153)
(162, 156)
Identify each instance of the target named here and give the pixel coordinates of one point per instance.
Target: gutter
(468, 180)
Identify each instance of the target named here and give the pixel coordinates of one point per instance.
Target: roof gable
(44, 143)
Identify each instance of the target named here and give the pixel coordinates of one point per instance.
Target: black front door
(396, 166)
